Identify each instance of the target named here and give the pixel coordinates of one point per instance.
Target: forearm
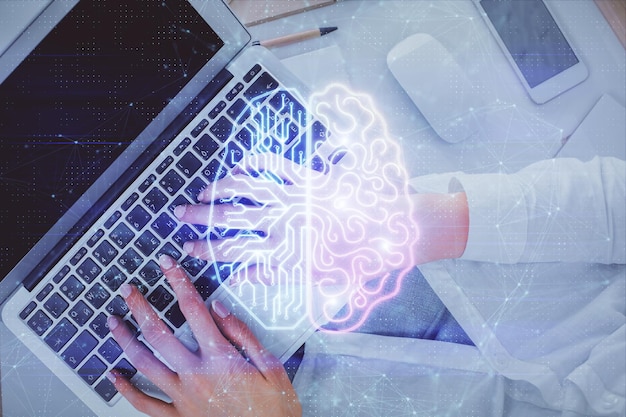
(554, 210)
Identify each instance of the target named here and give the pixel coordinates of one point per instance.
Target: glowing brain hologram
(326, 230)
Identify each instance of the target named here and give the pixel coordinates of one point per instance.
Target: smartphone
(535, 46)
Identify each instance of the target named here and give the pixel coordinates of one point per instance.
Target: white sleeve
(561, 210)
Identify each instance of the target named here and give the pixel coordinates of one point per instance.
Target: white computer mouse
(437, 85)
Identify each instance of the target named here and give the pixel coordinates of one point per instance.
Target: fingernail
(220, 309)
(166, 262)
(113, 322)
(188, 246)
(179, 211)
(125, 290)
(111, 376)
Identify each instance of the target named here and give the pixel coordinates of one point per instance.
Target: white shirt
(541, 292)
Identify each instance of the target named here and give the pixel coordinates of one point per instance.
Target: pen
(295, 37)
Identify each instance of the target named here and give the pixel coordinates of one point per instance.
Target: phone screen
(532, 37)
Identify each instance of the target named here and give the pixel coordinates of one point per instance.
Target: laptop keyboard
(69, 313)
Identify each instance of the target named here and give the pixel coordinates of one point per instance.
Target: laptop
(113, 113)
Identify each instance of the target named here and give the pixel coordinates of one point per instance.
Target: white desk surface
(367, 31)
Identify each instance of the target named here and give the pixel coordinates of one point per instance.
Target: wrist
(443, 224)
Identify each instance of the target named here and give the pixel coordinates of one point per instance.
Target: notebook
(113, 113)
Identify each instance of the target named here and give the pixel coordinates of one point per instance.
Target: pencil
(296, 37)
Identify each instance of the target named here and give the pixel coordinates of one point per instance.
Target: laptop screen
(80, 97)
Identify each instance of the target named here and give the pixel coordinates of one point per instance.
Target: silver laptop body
(57, 298)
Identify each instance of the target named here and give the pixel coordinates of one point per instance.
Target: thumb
(246, 342)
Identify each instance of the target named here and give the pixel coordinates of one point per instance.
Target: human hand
(230, 373)
(346, 228)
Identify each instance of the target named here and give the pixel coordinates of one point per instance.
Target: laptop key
(221, 271)
(160, 298)
(178, 201)
(265, 119)
(110, 350)
(81, 313)
(60, 335)
(117, 307)
(170, 250)
(252, 73)
(122, 235)
(214, 171)
(147, 243)
(261, 88)
(151, 273)
(56, 305)
(130, 201)
(239, 111)
(222, 129)
(113, 278)
(78, 256)
(155, 200)
(246, 136)
(199, 128)
(183, 145)
(234, 91)
(143, 288)
(270, 144)
(319, 165)
(27, 310)
(297, 153)
(284, 103)
(219, 107)
(88, 270)
(188, 164)
(99, 325)
(112, 219)
(92, 370)
(125, 369)
(105, 253)
(231, 154)
(40, 322)
(193, 265)
(130, 260)
(205, 285)
(97, 295)
(147, 183)
(163, 165)
(287, 131)
(172, 182)
(105, 389)
(319, 134)
(206, 146)
(175, 316)
(95, 238)
(78, 350)
(72, 288)
(163, 225)
(194, 188)
(337, 155)
(44, 292)
(61, 274)
(184, 234)
(138, 217)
